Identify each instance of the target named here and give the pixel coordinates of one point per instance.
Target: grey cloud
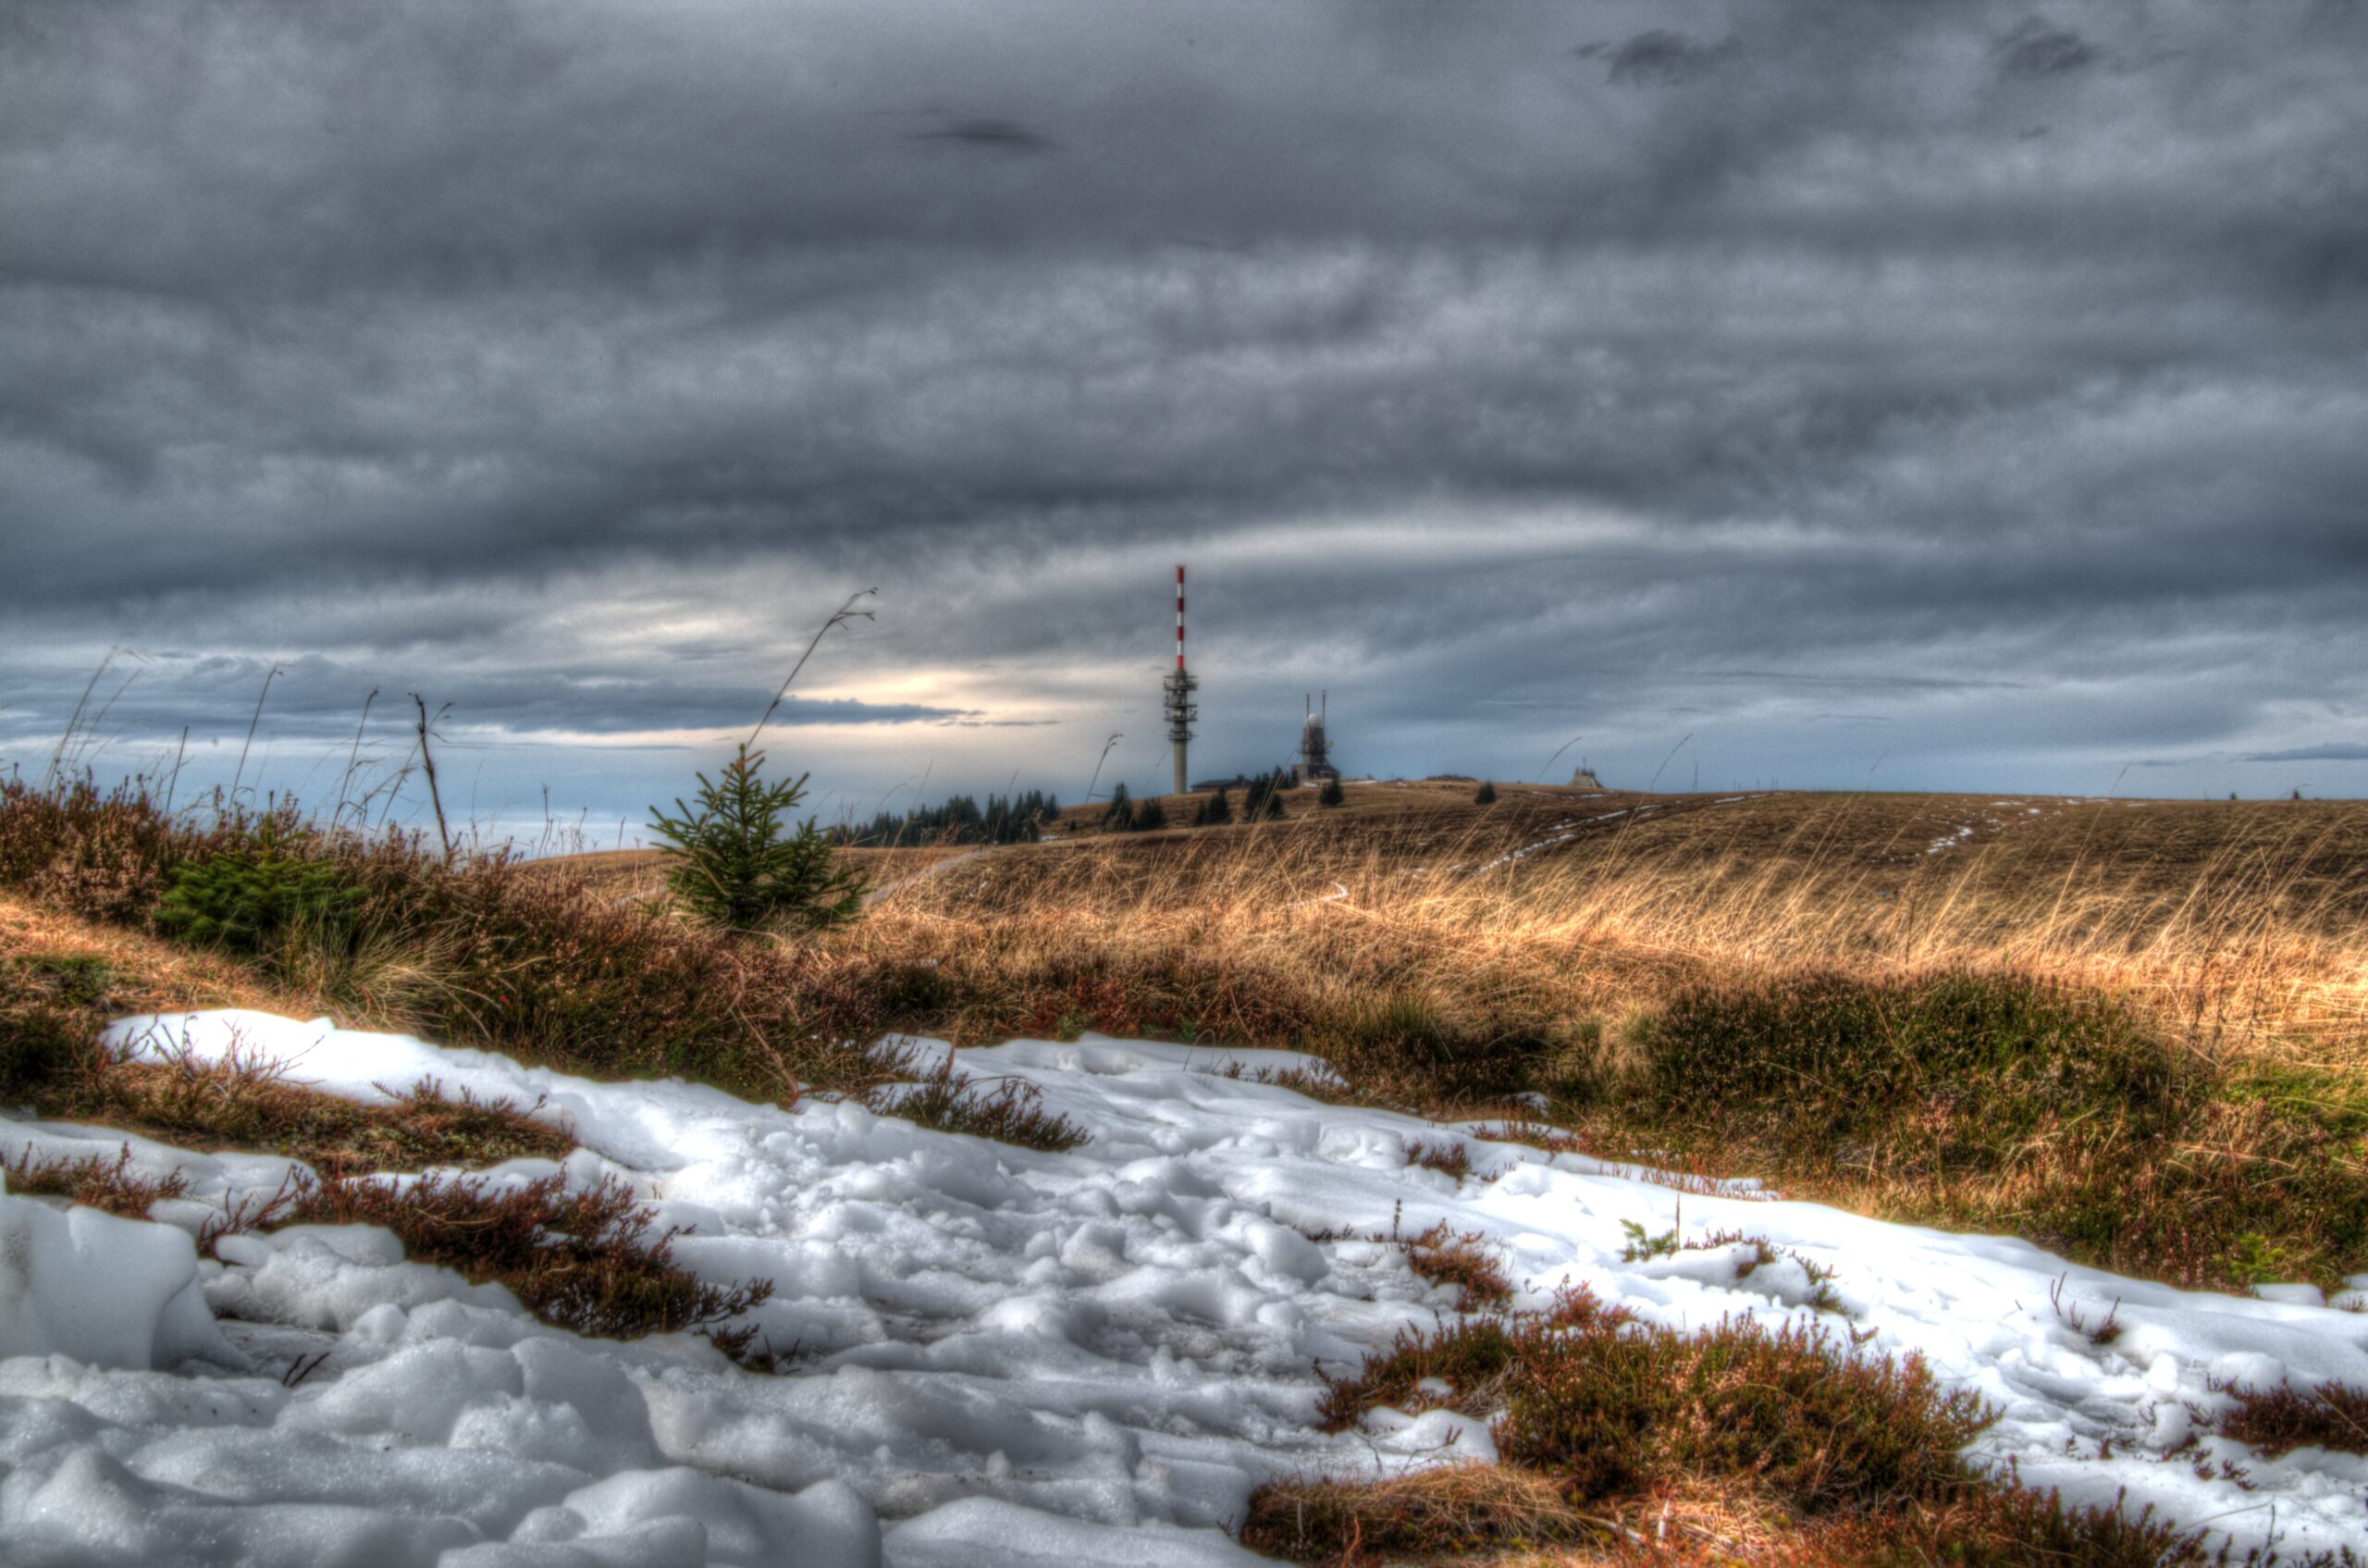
(2336, 751)
(570, 362)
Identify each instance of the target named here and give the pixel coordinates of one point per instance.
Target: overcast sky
(1949, 396)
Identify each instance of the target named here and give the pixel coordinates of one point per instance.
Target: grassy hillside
(2131, 1031)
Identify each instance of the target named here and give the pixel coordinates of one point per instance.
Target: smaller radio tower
(1180, 685)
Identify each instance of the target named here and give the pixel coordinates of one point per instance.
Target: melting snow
(1002, 1357)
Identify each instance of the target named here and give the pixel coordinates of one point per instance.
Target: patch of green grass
(71, 980)
(1988, 1103)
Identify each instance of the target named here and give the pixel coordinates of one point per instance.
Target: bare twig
(840, 617)
(1098, 761)
(353, 757)
(269, 675)
(428, 762)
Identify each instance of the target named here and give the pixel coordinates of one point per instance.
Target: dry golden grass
(2238, 924)
(1497, 1510)
(640, 875)
(61, 978)
(147, 974)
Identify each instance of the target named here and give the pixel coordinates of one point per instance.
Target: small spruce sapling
(247, 896)
(1214, 810)
(1485, 795)
(1331, 794)
(1148, 814)
(1119, 816)
(734, 861)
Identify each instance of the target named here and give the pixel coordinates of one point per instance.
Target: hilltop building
(1314, 765)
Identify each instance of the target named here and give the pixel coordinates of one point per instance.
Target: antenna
(1179, 686)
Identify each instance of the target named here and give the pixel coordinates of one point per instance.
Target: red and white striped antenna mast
(1180, 685)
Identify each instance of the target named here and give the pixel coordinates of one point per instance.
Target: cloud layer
(1963, 396)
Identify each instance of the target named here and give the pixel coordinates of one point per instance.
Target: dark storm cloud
(1658, 59)
(2033, 49)
(991, 135)
(569, 363)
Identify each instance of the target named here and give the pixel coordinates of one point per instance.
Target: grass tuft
(1455, 1508)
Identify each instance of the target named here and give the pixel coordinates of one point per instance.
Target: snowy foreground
(1003, 1357)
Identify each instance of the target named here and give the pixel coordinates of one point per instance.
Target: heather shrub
(93, 1180)
(1613, 1407)
(1010, 1112)
(582, 1260)
(2279, 1420)
(101, 857)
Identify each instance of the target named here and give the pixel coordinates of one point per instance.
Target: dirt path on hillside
(873, 895)
(909, 877)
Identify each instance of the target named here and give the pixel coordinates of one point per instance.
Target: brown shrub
(1986, 1102)
(584, 1261)
(1650, 1449)
(93, 1180)
(1612, 1407)
(1445, 1259)
(102, 856)
(1011, 1112)
(2280, 1420)
(1983, 1527)
(1452, 1159)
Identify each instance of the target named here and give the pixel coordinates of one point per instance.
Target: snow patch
(1012, 1357)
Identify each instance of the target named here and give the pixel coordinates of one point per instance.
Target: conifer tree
(1148, 814)
(735, 862)
(1119, 816)
(1331, 794)
(1215, 810)
(1485, 795)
